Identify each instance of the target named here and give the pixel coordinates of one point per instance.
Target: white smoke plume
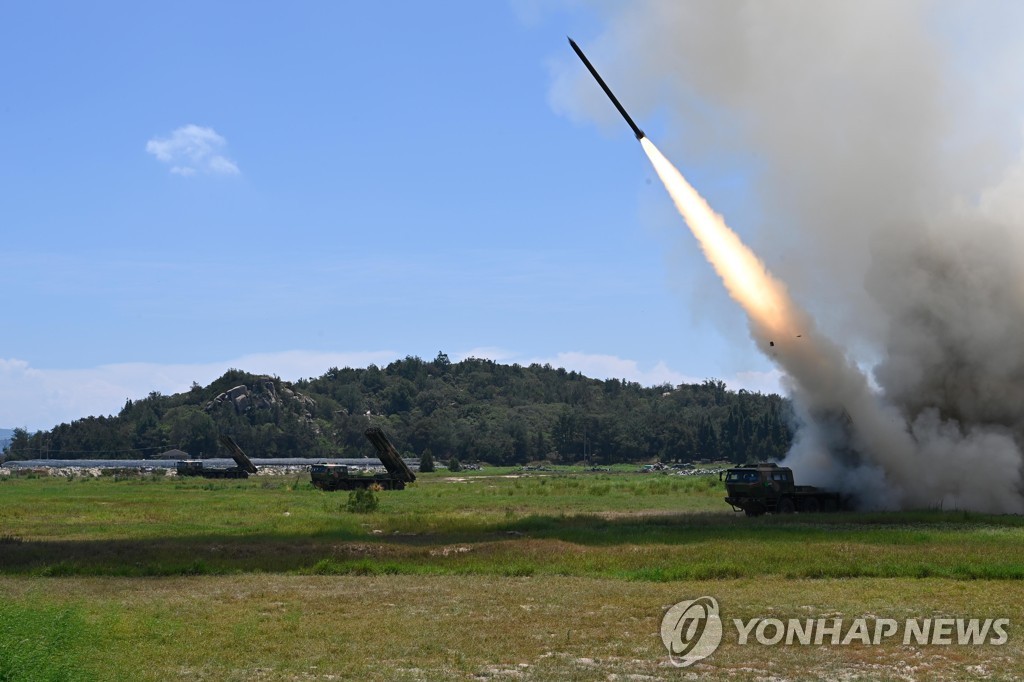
(887, 139)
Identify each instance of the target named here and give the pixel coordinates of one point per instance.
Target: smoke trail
(853, 439)
(883, 143)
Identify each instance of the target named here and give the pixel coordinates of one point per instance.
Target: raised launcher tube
(389, 456)
(243, 462)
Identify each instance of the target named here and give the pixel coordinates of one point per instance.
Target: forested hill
(473, 410)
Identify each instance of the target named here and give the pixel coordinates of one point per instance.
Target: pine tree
(427, 461)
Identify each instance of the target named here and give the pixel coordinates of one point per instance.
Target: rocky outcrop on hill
(264, 394)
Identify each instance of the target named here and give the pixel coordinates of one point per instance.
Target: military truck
(196, 467)
(343, 477)
(767, 487)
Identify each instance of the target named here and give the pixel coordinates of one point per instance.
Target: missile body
(600, 81)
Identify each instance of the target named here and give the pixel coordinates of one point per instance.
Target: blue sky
(188, 187)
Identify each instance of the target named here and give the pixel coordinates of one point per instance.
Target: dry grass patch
(485, 628)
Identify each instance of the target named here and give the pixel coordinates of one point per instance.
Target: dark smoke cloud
(887, 139)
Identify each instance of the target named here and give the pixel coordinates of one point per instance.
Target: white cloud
(41, 398)
(613, 367)
(193, 149)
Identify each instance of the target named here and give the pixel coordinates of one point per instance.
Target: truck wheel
(811, 505)
(752, 512)
(786, 506)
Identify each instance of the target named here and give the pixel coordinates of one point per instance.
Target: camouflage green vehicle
(343, 477)
(196, 467)
(327, 476)
(766, 487)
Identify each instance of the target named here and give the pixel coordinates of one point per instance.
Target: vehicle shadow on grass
(468, 546)
(904, 527)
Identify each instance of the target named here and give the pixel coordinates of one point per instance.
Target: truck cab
(189, 467)
(768, 488)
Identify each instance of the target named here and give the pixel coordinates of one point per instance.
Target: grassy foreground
(481, 576)
(264, 627)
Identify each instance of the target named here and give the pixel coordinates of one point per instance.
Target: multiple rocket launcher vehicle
(196, 467)
(326, 476)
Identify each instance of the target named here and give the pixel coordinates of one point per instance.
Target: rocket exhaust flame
(744, 275)
(895, 464)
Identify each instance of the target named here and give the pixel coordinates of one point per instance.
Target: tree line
(474, 410)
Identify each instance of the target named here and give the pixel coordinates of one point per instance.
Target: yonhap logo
(691, 630)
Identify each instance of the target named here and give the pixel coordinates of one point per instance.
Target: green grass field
(483, 575)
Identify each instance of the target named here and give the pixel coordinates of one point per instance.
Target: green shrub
(427, 462)
(454, 465)
(362, 501)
